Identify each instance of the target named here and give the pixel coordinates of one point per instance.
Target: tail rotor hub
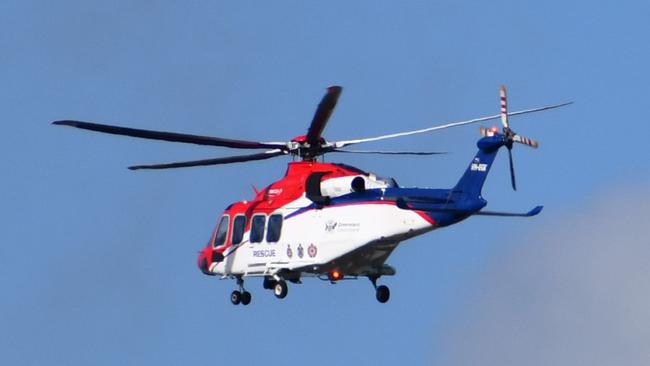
(509, 136)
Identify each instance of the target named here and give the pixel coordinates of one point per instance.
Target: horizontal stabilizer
(530, 213)
(433, 206)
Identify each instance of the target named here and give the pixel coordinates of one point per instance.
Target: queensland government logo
(330, 226)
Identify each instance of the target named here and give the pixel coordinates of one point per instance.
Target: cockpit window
(222, 231)
(275, 228)
(257, 228)
(238, 226)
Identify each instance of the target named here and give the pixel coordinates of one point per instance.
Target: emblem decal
(330, 226)
(289, 251)
(301, 251)
(312, 250)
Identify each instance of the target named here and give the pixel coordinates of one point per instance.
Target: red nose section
(203, 261)
(207, 256)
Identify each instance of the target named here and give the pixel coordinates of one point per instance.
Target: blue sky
(97, 263)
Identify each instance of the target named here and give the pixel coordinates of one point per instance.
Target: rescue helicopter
(332, 221)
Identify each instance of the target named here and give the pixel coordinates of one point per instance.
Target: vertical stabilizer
(471, 183)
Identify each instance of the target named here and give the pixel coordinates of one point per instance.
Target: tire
(280, 289)
(235, 297)
(382, 294)
(246, 298)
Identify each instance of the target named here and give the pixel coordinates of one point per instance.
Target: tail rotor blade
(525, 141)
(512, 170)
(504, 106)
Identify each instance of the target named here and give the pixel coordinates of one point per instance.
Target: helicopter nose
(203, 261)
(207, 256)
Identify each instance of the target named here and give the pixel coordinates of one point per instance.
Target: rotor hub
(307, 151)
(302, 139)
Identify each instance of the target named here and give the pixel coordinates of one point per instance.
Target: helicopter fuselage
(349, 224)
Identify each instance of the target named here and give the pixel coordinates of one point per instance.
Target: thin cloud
(575, 293)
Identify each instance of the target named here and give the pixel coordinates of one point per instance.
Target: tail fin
(471, 183)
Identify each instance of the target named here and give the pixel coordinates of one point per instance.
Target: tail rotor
(509, 136)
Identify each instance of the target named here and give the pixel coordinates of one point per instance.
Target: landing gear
(268, 283)
(280, 289)
(382, 293)
(246, 298)
(235, 297)
(278, 285)
(240, 296)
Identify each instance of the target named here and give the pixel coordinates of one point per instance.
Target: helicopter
(332, 221)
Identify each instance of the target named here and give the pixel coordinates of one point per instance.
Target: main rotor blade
(512, 170)
(170, 136)
(322, 115)
(389, 152)
(226, 160)
(448, 125)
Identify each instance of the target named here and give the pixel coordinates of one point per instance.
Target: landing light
(335, 275)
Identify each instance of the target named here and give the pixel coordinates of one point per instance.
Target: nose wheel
(240, 296)
(382, 293)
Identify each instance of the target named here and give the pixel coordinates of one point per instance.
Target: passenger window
(274, 229)
(238, 229)
(257, 228)
(222, 231)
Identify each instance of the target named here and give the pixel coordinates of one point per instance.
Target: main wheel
(235, 297)
(280, 289)
(382, 293)
(246, 298)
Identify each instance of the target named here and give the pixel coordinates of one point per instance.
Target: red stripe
(426, 217)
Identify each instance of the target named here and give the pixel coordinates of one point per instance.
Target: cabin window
(257, 228)
(274, 229)
(222, 231)
(238, 226)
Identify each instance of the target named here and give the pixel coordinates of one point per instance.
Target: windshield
(222, 231)
(238, 227)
